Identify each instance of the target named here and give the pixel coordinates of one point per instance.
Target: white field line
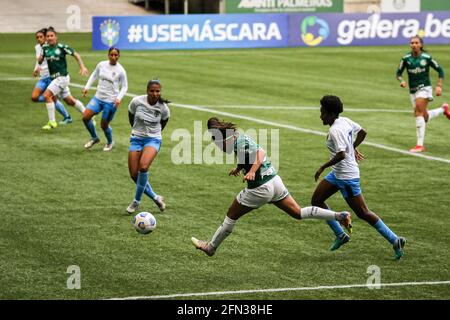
(291, 127)
(222, 52)
(222, 293)
(248, 107)
(274, 124)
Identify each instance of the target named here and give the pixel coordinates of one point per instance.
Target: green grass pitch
(61, 205)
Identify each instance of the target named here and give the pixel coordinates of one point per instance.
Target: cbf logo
(110, 32)
(312, 25)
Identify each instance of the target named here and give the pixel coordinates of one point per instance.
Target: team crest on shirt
(423, 63)
(57, 51)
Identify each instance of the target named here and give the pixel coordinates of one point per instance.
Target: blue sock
(91, 128)
(41, 98)
(336, 227)
(60, 108)
(141, 183)
(385, 231)
(108, 134)
(149, 191)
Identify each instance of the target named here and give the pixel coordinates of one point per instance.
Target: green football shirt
(245, 149)
(56, 58)
(418, 69)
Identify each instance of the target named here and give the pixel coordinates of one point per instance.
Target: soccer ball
(144, 222)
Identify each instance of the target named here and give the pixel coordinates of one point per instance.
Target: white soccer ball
(144, 222)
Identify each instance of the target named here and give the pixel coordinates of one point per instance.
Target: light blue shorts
(139, 143)
(43, 83)
(348, 188)
(107, 108)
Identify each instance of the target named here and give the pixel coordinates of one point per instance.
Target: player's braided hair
(331, 104)
(226, 129)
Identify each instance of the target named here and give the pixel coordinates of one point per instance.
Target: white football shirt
(43, 73)
(110, 79)
(340, 138)
(147, 118)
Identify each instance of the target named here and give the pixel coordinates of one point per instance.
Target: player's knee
(104, 125)
(363, 214)
(34, 98)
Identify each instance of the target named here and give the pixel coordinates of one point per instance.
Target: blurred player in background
(418, 63)
(148, 115)
(42, 72)
(55, 55)
(264, 186)
(344, 176)
(111, 77)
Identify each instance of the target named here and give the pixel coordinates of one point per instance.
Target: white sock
(317, 213)
(51, 111)
(435, 113)
(79, 106)
(222, 232)
(420, 130)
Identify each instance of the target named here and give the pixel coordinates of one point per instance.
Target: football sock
(141, 183)
(41, 98)
(420, 130)
(79, 106)
(149, 191)
(317, 213)
(435, 113)
(385, 231)
(91, 128)
(51, 111)
(336, 227)
(61, 110)
(108, 134)
(222, 232)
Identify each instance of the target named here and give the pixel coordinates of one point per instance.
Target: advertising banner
(283, 6)
(268, 30)
(196, 31)
(329, 29)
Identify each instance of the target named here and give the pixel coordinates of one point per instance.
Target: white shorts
(271, 191)
(60, 86)
(425, 93)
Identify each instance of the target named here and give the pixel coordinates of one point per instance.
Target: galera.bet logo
(321, 31)
(110, 32)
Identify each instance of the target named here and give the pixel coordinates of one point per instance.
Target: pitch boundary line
(237, 292)
(279, 125)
